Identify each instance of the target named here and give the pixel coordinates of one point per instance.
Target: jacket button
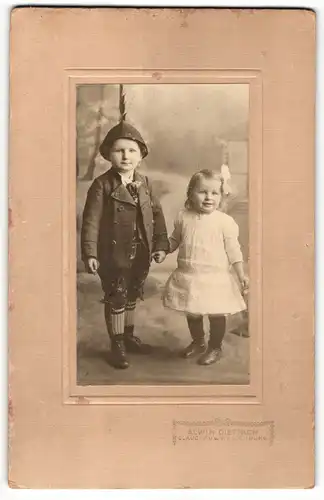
(114, 242)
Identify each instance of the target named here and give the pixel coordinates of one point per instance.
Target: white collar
(126, 178)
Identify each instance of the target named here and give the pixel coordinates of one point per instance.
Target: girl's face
(125, 155)
(206, 196)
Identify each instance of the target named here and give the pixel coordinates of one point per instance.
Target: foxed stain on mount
(185, 13)
(10, 218)
(157, 75)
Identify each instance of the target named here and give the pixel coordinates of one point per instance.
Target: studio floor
(165, 330)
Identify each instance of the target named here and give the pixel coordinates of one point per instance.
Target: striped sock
(130, 313)
(117, 321)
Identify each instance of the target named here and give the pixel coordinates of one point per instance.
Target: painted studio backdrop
(187, 128)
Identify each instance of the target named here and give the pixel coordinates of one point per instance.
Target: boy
(123, 228)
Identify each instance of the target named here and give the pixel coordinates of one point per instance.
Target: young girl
(202, 284)
(123, 228)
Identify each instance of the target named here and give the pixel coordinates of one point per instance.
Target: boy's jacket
(109, 216)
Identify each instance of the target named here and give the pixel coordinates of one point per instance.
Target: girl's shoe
(196, 328)
(193, 349)
(212, 355)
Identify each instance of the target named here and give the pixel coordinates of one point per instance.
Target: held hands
(92, 265)
(159, 256)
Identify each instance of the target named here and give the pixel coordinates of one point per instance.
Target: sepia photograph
(161, 248)
(162, 203)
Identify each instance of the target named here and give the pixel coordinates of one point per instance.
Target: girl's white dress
(203, 282)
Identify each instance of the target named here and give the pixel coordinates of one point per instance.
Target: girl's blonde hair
(206, 174)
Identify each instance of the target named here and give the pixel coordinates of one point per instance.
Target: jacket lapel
(143, 190)
(120, 192)
(144, 198)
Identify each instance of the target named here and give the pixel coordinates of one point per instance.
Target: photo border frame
(161, 394)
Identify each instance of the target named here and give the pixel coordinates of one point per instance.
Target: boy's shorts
(123, 285)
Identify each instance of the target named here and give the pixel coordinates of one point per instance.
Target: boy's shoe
(118, 353)
(193, 349)
(134, 344)
(212, 355)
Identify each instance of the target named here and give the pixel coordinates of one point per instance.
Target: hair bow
(226, 177)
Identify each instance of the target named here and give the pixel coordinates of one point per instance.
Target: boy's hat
(122, 131)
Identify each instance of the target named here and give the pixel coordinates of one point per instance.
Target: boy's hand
(92, 265)
(159, 256)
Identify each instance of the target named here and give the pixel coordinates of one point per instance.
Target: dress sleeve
(232, 245)
(175, 238)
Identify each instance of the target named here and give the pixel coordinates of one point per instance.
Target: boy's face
(206, 196)
(125, 155)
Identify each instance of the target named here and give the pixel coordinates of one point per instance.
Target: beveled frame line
(161, 394)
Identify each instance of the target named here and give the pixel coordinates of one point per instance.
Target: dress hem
(205, 313)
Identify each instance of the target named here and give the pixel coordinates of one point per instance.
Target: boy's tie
(132, 187)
